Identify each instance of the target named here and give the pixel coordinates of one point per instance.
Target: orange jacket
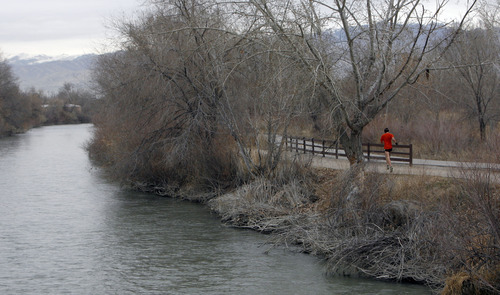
(387, 140)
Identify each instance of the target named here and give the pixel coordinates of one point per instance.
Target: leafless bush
(433, 135)
(427, 230)
(382, 240)
(375, 232)
(474, 220)
(267, 204)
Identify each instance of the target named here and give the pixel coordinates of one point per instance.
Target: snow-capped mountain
(49, 73)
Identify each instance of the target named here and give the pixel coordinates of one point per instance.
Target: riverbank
(420, 229)
(438, 231)
(66, 229)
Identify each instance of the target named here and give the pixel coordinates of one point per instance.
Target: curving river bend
(65, 229)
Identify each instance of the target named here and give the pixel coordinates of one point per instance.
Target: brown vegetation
(22, 110)
(18, 111)
(193, 103)
(404, 228)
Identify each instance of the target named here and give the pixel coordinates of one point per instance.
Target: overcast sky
(71, 27)
(56, 27)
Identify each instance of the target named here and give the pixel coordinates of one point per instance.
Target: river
(66, 229)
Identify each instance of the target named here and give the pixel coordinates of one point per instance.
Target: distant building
(72, 108)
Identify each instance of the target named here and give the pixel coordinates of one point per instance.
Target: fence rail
(324, 147)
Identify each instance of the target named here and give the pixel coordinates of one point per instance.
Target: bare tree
(164, 90)
(490, 12)
(14, 108)
(475, 58)
(363, 53)
(188, 92)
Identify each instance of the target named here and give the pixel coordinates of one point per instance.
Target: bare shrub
(440, 135)
(390, 228)
(418, 229)
(380, 238)
(267, 204)
(493, 146)
(445, 135)
(474, 220)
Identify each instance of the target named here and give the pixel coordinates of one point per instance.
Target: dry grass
(462, 282)
(425, 189)
(387, 227)
(267, 204)
(402, 228)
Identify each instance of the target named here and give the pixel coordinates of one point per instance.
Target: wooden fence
(323, 147)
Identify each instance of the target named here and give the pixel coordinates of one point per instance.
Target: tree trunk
(481, 110)
(482, 128)
(354, 150)
(353, 146)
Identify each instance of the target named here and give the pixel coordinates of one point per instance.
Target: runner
(387, 139)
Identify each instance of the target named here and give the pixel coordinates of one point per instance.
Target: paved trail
(420, 167)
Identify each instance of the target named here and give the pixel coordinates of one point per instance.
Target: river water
(66, 229)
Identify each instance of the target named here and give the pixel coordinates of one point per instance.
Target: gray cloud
(58, 26)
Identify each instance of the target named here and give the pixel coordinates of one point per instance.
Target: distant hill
(50, 73)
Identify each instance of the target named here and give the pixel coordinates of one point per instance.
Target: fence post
(336, 149)
(411, 154)
(304, 144)
(368, 152)
(312, 144)
(323, 149)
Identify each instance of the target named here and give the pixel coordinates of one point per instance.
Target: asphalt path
(419, 167)
(454, 169)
